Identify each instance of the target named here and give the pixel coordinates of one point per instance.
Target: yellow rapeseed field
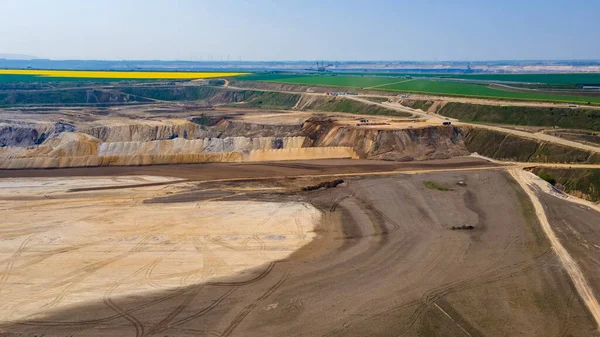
(119, 74)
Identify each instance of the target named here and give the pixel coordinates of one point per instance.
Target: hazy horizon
(18, 57)
(266, 30)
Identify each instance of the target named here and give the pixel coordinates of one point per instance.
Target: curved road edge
(527, 181)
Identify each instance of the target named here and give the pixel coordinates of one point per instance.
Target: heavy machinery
(321, 67)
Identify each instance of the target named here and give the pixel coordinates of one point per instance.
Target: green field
(395, 82)
(480, 90)
(425, 86)
(324, 80)
(585, 78)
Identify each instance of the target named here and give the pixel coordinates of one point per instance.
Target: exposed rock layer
(149, 142)
(17, 133)
(144, 131)
(205, 145)
(406, 144)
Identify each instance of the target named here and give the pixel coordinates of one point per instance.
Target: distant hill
(17, 57)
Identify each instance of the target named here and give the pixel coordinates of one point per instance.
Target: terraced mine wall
(137, 160)
(423, 105)
(67, 144)
(256, 85)
(400, 145)
(206, 145)
(143, 131)
(180, 141)
(261, 99)
(307, 88)
(149, 94)
(181, 158)
(235, 128)
(16, 133)
(341, 104)
(215, 95)
(589, 137)
(306, 153)
(208, 95)
(69, 96)
(503, 146)
(564, 117)
(407, 144)
(582, 183)
(79, 149)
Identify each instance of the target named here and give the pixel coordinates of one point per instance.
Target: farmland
(580, 78)
(26, 75)
(338, 81)
(551, 79)
(477, 90)
(439, 86)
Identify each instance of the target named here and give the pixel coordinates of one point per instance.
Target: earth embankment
(505, 146)
(342, 104)
(560, 116)
(582, 183)
(434, 142)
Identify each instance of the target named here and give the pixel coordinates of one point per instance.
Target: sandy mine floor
(60, 249)
(175, 260)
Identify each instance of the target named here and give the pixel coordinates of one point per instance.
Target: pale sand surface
(69, 248)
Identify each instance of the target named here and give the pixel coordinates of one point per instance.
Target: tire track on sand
(166, 324)
(76, 277)
(250, 307)
(213, 305)
(191, 293)
(11, 262)
(107, 299)
(189, 297)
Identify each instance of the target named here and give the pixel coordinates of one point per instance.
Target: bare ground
(211, 171)
(578, 229)
(385, 262)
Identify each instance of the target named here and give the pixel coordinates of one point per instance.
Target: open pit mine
(166, 220)
(42, 144)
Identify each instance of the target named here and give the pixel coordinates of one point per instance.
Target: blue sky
(301, 30)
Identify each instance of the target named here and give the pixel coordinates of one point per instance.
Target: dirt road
(266, 170)
(528, 181)
(536, 136)
(434, 118)
(396, 107)
(439, 119)
(576, 226)
(444, 99)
